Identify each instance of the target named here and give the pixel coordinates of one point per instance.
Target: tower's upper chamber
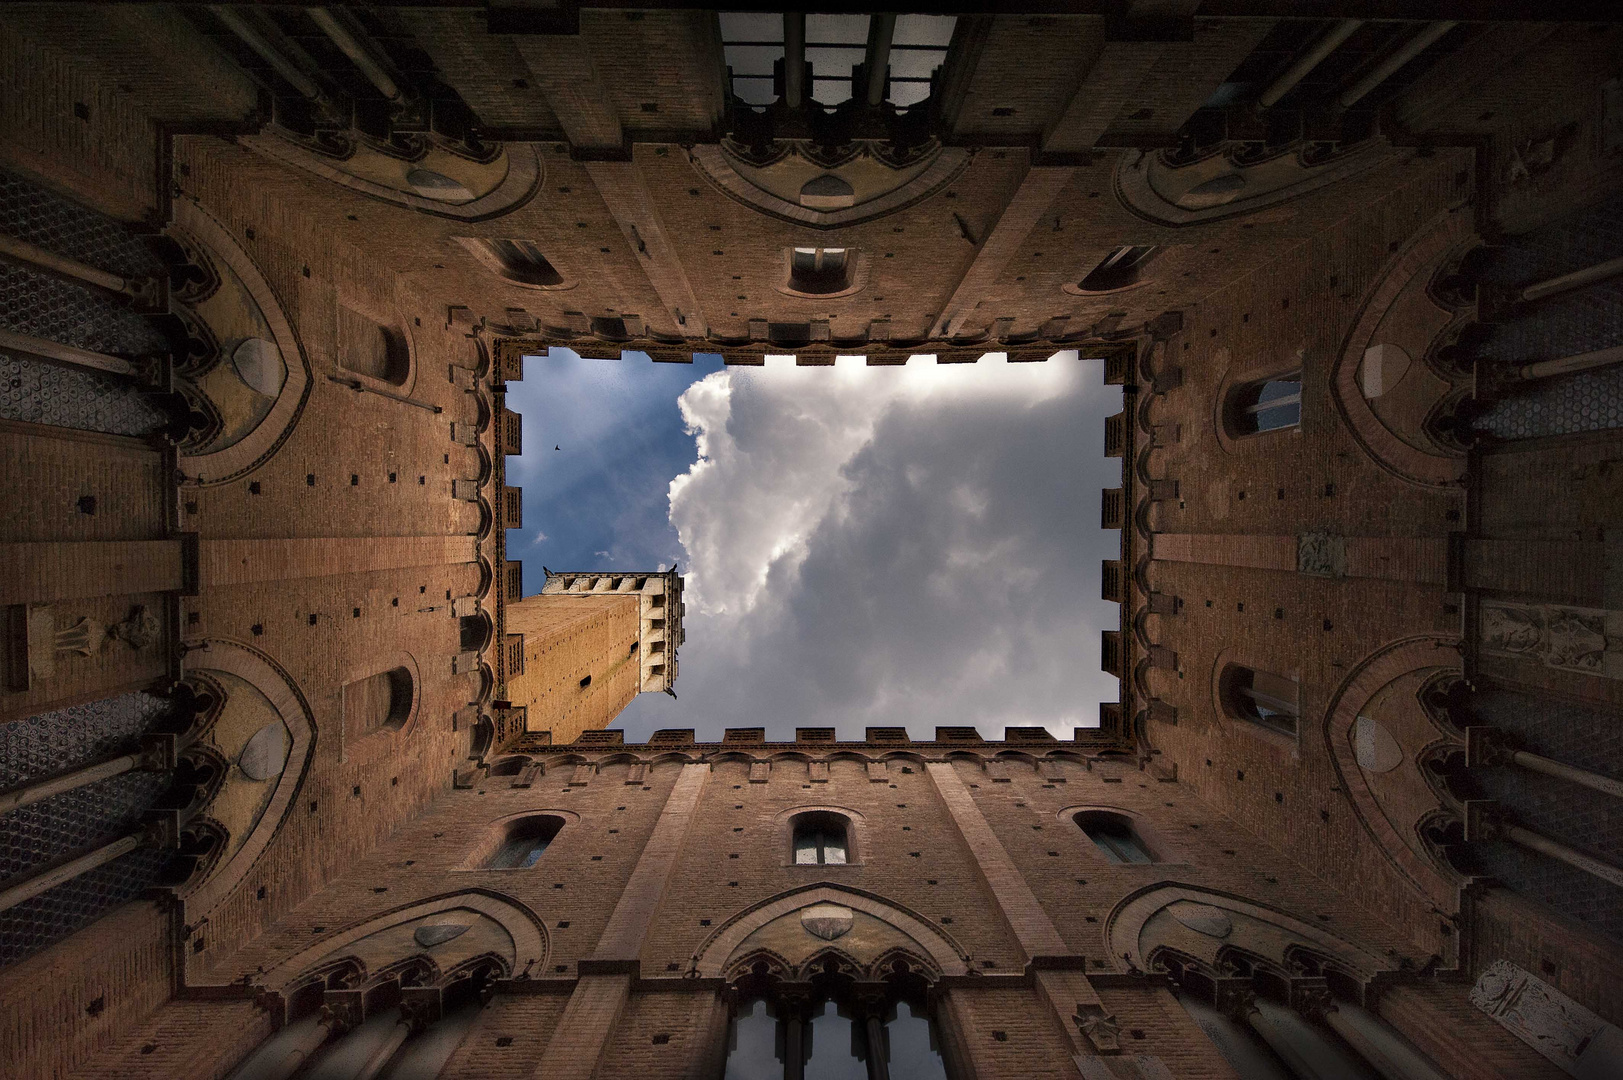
(660, 609)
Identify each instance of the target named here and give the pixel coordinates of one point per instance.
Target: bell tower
(589, 642)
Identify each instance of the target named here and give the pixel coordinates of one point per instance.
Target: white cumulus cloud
(912, 546)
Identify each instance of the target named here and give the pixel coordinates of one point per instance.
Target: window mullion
(1275, 403)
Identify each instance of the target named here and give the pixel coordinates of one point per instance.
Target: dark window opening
(1118, 270)
(821, 839)
(833, 1037)
(524, 842)
(1263, 698)
(1115, 836)
(820, 271)
(1265, 405)
(473, 633)
(521, 262)
(378, 702)
(585, 682)
(369, 348)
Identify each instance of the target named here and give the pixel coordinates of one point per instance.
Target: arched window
(821, 839)
(1260, 697)
(820, 271)
(378, 702)
(524, 842)
(518, 261)
(369, 348)
(1117, 270)
(1271, 404)
(1114, 835)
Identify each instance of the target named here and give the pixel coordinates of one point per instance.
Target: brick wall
(590, 864)
(568, 639)
(65, 1006)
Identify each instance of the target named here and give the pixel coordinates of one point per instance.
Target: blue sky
(912, 546)
(606, 490)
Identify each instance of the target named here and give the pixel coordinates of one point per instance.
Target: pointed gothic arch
(717, 955)
(278, 688)
(1126, 924)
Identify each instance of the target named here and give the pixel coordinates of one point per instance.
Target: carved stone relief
(1321, 554)
(1571, 1036)
(1585, 640)
(1100, 1028)
(50, 636)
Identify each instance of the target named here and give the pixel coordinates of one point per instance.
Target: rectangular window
(834, 850)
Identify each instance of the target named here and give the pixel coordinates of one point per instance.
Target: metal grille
(70, 738)
(39, 392)
(1567, 324)
(46, 220)
(42, 306)
(77, 820)
(1568, 732)
(1588, 401)
(56, 913)
(1566, 889)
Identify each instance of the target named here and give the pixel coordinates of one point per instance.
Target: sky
(890, 546)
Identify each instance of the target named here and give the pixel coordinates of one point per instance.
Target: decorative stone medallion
(265, 753)
(1201, 918)
(826, 921)
(260, 366)
(429, 935)
(1375, 747)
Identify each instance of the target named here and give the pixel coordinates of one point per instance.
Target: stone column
(605, 980)
(1236, 1043)
(1387, 1052)
(161, 832)
(157, 756)
(1485, 821)
(297, 1052)
(1486, 746)
(373, 1066)
(1308, 1054)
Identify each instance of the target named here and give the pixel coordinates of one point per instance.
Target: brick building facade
(284, 793)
